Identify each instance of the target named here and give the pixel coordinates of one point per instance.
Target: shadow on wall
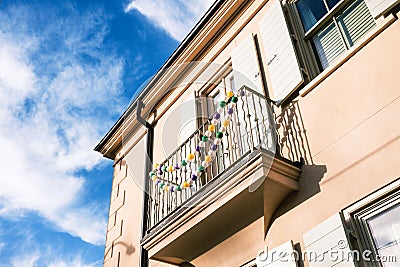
(297, 247)
(130, 249)
(293, 144)
(292, 135)
(186, 264)
(309, 186)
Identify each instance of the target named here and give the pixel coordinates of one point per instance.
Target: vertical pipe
(144, 258)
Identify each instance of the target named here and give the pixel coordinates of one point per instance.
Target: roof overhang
(193, 48)
(103, 146)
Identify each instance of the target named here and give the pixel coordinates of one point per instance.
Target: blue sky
(67, 71)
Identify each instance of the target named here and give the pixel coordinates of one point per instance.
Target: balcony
(227, 174)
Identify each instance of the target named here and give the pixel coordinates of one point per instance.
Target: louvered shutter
(328, 44)
(380, 7)
(283, 66)
(281, 256)
(245, 65)
(356, 21)
(327, 245)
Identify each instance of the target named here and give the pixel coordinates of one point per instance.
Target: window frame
(222, 82)
(325, 19)
(357, 214)
(311, 56)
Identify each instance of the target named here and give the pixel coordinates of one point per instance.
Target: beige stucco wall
(124, 226)
(236, 250)
(351, 122)
(166, 131)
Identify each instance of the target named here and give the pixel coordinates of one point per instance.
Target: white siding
(283, 67)
(281, 256)
(379, 7)
(326, 244)
(245, 65)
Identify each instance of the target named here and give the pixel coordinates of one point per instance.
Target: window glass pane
(232, 83)
(328, 45)
(217, 98)
(183, 122)
(385, 229)
(355, 21)
(311, 11)
(332, 3)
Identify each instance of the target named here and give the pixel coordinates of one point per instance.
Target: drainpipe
(144, 258)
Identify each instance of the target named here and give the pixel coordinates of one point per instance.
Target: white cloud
(49, 258)
(29, 260)
(15, 75)
(75, 263)
(57, 85)
(176, 17)
(32, 252)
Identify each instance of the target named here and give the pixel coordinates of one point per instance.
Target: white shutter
(245, 65)
(380, 7)
(281, 256)
(328, 44)
(326, 244)
(283, 67)
(356, 21)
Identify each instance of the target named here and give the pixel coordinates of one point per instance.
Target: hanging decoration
(210, 137)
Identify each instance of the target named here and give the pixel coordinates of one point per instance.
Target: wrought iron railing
(202, 157)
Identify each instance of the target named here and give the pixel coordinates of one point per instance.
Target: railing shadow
(292, 135)
(293, 144)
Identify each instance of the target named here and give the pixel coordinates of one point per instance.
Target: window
(214, 97)
(312, 11)
(385, 231)
(377, 224)
(333, 26)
